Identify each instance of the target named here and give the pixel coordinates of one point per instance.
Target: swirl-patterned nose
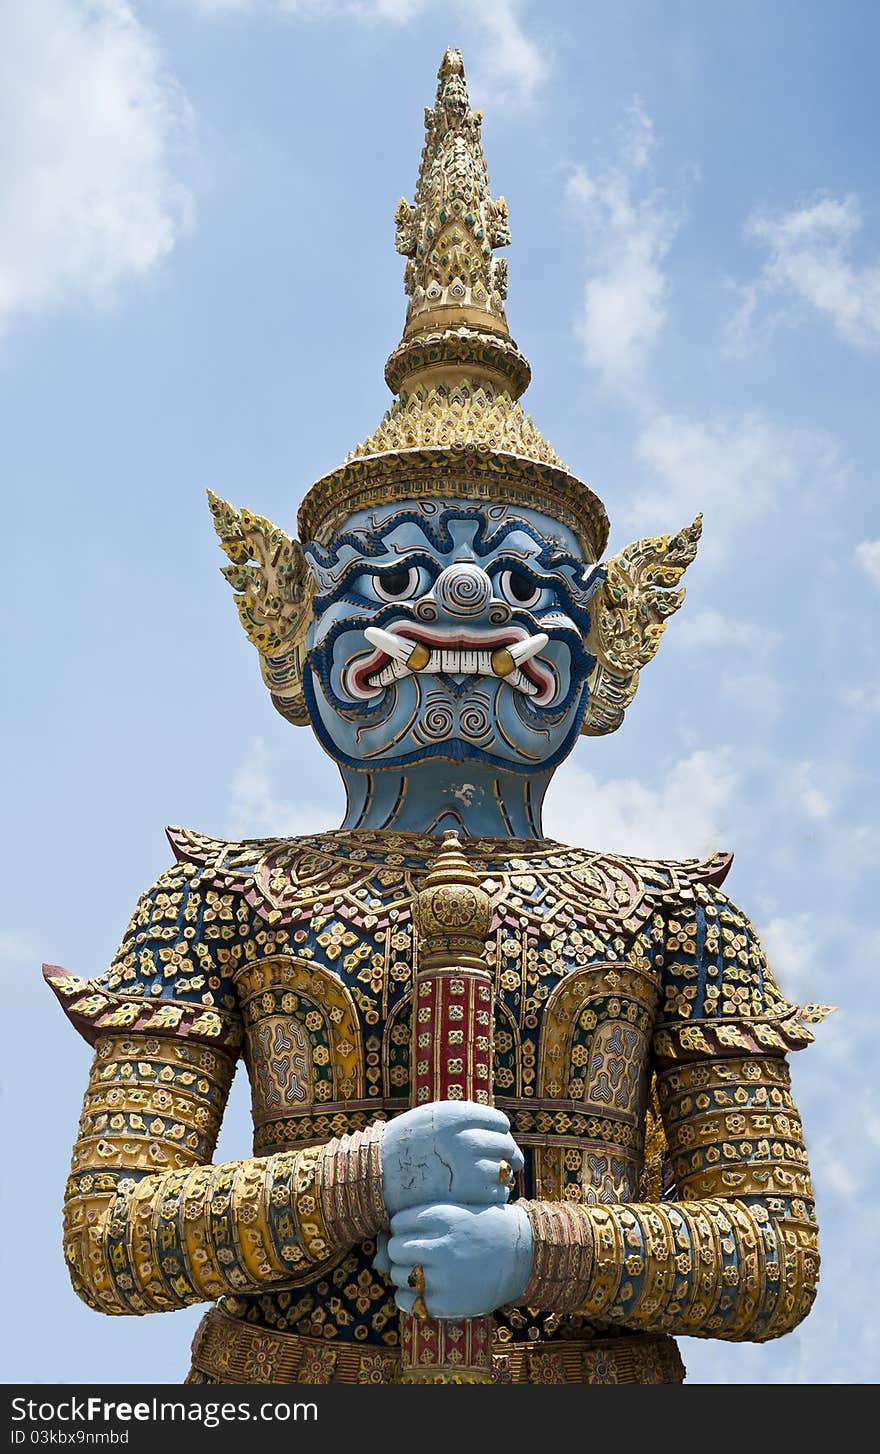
(463, 589)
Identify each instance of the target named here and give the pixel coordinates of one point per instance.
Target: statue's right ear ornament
(628, 615)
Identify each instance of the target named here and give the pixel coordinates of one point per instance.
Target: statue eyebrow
(371, 542)
(368, 543)
(340, 586)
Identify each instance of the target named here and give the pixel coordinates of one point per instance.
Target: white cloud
(17, 948)
(814, 800)
(868, 557)
(736, 469)
(629, 227)
(760, 695)
(835, 1171)
(871, 1122)
(257, 811)
(311, 8)
(713, 628)
(90, 122)
(810, 263)
(508, 65)
(223, 7)
(864, 700)
(397, 11)
(790, 945)
(684, 815)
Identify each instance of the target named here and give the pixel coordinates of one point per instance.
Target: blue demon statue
(521, 1110)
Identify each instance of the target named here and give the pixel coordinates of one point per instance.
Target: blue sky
(198, 287)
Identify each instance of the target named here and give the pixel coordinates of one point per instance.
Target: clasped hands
(446, 1174)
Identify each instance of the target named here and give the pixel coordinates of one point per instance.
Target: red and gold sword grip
(451, 1061)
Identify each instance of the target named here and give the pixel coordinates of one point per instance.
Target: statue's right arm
(150, 1223)
(140, 1239)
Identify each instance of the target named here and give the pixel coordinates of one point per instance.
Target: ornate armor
(638, 1039)
(610, 973)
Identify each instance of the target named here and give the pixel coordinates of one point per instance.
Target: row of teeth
(414, 656)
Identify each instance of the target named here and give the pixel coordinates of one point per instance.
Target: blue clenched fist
(446, 1198)
(473, 1259)
(447, 1151)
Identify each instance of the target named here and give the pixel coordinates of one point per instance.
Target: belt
(226, 1350)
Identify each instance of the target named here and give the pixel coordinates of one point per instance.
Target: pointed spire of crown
(455, 324)
(457, 430)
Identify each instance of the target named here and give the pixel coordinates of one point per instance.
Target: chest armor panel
(326, 998)
(326, 993)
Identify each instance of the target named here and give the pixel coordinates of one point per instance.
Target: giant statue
(521, 1110)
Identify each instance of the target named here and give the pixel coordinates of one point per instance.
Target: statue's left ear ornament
(628, 617)
(273, 592)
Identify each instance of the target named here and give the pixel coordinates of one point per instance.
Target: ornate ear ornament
(273, 593)
(629, 614)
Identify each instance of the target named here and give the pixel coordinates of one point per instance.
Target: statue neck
(433, 797)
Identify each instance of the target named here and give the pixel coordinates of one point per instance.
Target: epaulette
(95, 1011)
(784, 1031)
(229, 865)
(726, 1001)
(155, 985)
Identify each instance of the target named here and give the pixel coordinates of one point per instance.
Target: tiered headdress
(456, 430)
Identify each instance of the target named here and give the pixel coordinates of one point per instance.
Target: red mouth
(361, 671)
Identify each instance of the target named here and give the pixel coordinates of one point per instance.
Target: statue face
(444, 630)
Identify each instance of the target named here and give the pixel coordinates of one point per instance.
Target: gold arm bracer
(735, 1256)
(150, 1225)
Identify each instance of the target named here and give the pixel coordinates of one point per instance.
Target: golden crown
(456, 430)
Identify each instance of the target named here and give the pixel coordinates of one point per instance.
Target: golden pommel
(452, 913)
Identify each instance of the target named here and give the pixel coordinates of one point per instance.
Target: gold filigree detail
(460, 416)
(628, 617)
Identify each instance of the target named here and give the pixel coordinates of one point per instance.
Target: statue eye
(397, 585)
(519, 589)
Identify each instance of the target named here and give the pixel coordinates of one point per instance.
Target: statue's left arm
(734, 1255)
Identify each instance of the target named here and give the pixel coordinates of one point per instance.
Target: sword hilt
(451, 1060)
